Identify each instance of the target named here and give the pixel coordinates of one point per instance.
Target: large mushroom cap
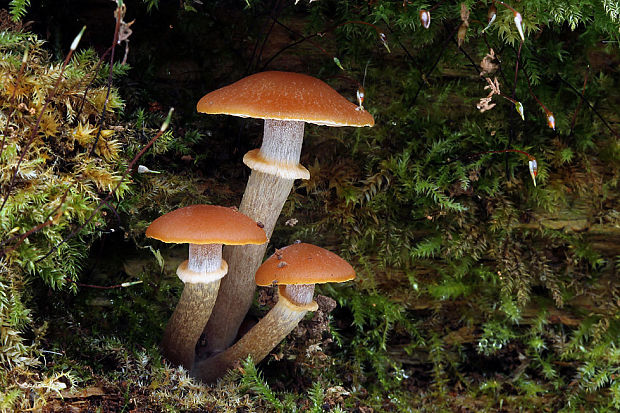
(285, 96)
(206, 224)
(304, 264)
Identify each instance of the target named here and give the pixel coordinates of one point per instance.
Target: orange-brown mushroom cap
(303, 264)
(206, 224)
(285, 96)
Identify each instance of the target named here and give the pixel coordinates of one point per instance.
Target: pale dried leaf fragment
(465, 14)
(485, 103)
(124, 29)
(487, 65)
(493, 85)
(464, 26)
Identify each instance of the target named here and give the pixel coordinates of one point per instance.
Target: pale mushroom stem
(194, 307)
(300, 293)
(264, 197)
(282, 140)
(204, 257)
(264, 336)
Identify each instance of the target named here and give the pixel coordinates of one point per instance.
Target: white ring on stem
(188, 276)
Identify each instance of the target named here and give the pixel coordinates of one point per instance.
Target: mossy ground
(476, 291)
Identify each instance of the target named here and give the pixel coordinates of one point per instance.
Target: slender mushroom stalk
(286, 101)
(279, 154)
(274, 168)
(297, 268)
(206, 228)
(278, 322)
(201, 274)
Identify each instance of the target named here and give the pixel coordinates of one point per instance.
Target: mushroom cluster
(205, 228)
(286, 101)
(218, 304)
(296, 269)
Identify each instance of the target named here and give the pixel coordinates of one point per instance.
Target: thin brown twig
(92, 80)
(407, 52)
(119, 17)
(277, 7)
(308, 38)
(511, 132)
(583, 91)
(439, 55)
(548, 113)
(582, 96)
(288, 46)
(116, 215)
(592, 108)
(514, 89)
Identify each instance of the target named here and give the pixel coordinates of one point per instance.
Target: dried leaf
(465, 14)
(485, 103)
(487, 65)
(82, 394)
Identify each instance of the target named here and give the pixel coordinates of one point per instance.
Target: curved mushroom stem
(264, 336)
(201, 274)
(264, 197)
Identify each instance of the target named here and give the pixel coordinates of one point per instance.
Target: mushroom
(285, 100)
(205, 228)
(306, 265)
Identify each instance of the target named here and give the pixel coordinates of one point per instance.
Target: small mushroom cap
(303, 264)
(206, 224)
(285, 96)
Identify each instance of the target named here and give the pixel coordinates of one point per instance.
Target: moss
(476, 290)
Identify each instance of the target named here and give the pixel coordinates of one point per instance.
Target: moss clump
(55, 162)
